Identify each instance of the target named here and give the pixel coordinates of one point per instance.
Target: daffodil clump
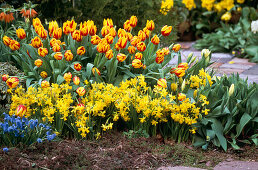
(102, 106)
(200, 80)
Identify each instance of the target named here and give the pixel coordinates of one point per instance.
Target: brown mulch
(114, 151)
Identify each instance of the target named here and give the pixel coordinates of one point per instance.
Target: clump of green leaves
(233, 117)
(136, 134)
(238, 37)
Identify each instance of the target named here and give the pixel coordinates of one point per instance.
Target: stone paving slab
(179, 168)
(235, 66)
(237, 165)
(229, 71)
(252, 71)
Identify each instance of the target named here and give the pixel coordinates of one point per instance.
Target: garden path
(225, 63)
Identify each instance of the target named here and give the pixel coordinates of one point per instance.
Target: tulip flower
(205, 52)
(53, 25)
(42, 32)
(165, 50)
(36, 42)
(179, 72)
(38, 62)
(21, 110)
(166, 30)
(58, 56)
(76, 80)
(6, 40)
(141, 35)
(109, 54)
(105, 31)
(183, 66)
(127, 26)
(121, 57)
(14, 45)
(20, 33)
(176, 47)
(122, 33)
(92, 29)
(95, 40)
(181, 96)
(56, 48)
(135, 40)
(109, 39)
(57, 33)
(155, 40)
(68, 77)
(150, 25)
(84, 29)
(78, 66)
(43, 74)
(81, 50)
(141, 46)
(122, 42)
(136, 63)
(94, 69)
(131, 49)
(45, 84)
(138, 56)
(162, 82)
(12, 82)
(68, 55)
(5, 77)
(80, 91)
(108, 22)
(76, 35)
(42, 51)
(133, 21)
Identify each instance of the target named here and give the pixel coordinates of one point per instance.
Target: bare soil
(115, 151)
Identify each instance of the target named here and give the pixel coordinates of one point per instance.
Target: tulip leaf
(218, 129)
(243, 121)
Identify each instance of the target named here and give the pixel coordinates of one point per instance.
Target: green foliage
(136, 134)
(238, 37)
(233, 114)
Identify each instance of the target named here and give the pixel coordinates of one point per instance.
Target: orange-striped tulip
(38, 62)
(176, 47)
(20, 33)
(42, 51)
(43, 74)
(58, 56)
(136, 63)
(150, 25)
(162, 83)
(109, 54)
(68, 77)
(95, 40)
(14, 45)
(121, 57)
(155, 40)
(45, 84)
(12, 82)
(21, 111)
(56, 48)
(68, 55)
(181, 96)
(36, 42)
(94, 69)
(183, 66)
(80, 91)
(77, 66)
(133, 21)
(138, 56)
(6, 40)
(122, 42)
(127, 26)
(141, 35)
(141, 46)
(81, 50)
(131, 49)
(108, 22)
(76, 80)
(57, 33)
(135, 40)
(76, 35)
(5, 77)
(166, 30)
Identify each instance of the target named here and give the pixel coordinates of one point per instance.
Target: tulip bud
(76, 80)
(138, 56)
(183, 85)
(21, 110)
(205, 52)
(189, 57)
(45, 84)
(155, 40)
(173, 86)
(6, 40)
(133, 21)
(5, 77)
(12, 82)
(150, 25)
(195, 93)
(183, 66)
(231, 89)
(80, 91)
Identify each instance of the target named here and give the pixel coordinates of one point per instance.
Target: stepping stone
(221, 55)
(252, 71)
(235, 66)
(237, 165)
(229, 71)
(179, 168)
